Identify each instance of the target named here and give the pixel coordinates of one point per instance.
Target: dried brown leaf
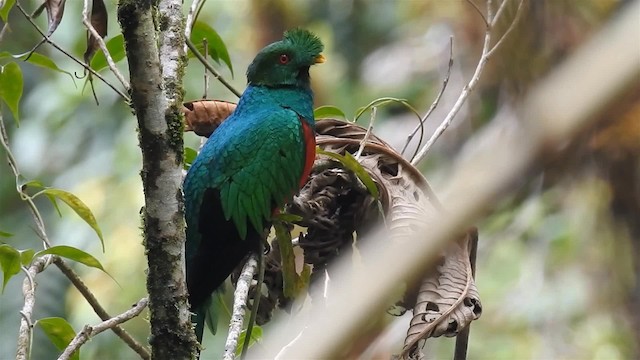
(204, 116)
(447, 301)
(99, 19)
(55, 11)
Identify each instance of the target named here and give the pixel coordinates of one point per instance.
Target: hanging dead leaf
(99, 19)
(204, 116)
(55, 11)
(447, 301)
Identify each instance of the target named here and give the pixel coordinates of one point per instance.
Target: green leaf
(37, 60)
(60, 332)
(351, 164)
(78, 206)
(5, 234)
(288, 218)
(292, 283)
(26, 256)
(215, 46)
(6, 8)
(11, 87)
(189, 157)
(256, 336)
(71, 253)
(328, 111)
(115, 46)
(9, 262)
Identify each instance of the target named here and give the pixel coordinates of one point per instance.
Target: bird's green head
(286, 62)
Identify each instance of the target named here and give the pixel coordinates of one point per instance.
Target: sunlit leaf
(5, 9)
(215, 46)
(5, 234)
(71, 253)
(256, 336)
(328, 111)
(11, 87)
(350, 163)
(9, 262)
(79, 207)
(26, 256)
(116, 49)
(60, 332)
(36, 59)
(189, 157)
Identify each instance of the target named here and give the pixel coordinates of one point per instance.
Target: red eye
(284, 58)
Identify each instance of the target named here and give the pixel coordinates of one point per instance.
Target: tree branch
(99, 310)
(240, 300)
(156, 76)
(46, 38)
(103, 46)
(487, 51)
(25, 333)
(88, 331)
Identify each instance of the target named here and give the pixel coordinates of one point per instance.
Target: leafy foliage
(115, 45)
(9, 262)
(60, 332)
(216, 48)
(11, 87)
(78, 206)
(74, 254)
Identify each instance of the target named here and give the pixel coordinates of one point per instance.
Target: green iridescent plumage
(252, 164)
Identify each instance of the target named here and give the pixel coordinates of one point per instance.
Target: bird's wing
(260, 169)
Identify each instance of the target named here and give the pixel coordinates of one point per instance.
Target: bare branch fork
(90, 331)
(78, 61)
(487, 51)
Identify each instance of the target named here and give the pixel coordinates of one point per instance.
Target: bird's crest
(304, 39)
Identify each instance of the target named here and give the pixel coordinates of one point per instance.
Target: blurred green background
(557, 264)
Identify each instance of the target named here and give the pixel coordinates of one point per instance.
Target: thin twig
(192, 16)
(205, 45)
(23, 350)
(506, 33)
(37, 217)
(433, 106)
(484, 58)
(90, 331)
(365, 138)
(462, 339)
(206, 64)
(486, 23)
(99, 310)
(80, 62)
(103, 46)
(240, 298)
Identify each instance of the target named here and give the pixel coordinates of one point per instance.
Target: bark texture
(154, 45)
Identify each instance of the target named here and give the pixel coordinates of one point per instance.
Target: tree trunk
(153, 33)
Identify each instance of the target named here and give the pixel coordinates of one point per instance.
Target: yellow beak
(320, 59)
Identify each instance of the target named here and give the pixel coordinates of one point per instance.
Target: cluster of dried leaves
(338, 210)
